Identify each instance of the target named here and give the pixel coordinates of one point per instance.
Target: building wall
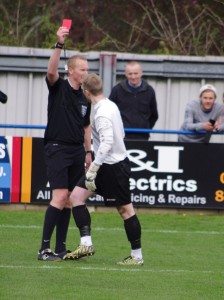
(176, 80)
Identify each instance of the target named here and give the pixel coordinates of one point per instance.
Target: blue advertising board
(5, 171)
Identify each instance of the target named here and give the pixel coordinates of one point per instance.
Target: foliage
(186, 27)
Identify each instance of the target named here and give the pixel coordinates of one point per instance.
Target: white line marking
(128, 269)
(119, 229)
(29, 267)
(20, 226)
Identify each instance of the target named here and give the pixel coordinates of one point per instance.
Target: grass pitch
(183, 259)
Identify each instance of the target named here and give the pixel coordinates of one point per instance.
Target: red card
(67, 23)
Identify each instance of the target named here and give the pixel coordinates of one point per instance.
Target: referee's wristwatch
(58, 45)
(89, 151)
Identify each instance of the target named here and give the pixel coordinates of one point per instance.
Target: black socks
(51, 218)
(82, 219)
(62, 230)
(133, 231)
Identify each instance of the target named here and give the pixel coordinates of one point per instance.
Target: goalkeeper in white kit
(108, 175)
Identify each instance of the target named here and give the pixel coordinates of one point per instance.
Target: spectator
(108, 175)
(204, 114)
(3, 97)
(66, 134)
(136, 101)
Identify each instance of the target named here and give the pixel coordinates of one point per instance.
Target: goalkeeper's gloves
(91, 176)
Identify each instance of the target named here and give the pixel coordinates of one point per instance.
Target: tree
(186, 27)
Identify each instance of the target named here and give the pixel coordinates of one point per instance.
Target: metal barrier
(127, 130)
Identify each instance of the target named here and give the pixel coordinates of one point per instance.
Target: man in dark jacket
(3, 97)
(136, 101)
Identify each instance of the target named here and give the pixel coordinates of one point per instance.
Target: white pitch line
(119, 229)
(20, 226)
(128, 269)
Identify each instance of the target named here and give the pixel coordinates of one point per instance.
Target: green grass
(183, 259)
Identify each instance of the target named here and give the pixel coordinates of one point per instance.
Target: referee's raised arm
(52, 70)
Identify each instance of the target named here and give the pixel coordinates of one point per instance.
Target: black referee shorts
(65, 165)
(112, 183)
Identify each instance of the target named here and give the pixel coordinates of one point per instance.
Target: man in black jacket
(136, 101)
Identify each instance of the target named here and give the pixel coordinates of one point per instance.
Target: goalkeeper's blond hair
(93, 84)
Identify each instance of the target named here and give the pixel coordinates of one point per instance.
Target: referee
(67, 142)
(108, 175)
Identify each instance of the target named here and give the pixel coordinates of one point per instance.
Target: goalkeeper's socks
(136, 253)
(133, 231)
(86, 240)
(82, 219)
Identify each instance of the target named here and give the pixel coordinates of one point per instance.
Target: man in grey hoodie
(204, 115)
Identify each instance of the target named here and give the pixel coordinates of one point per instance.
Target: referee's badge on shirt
(83, 110)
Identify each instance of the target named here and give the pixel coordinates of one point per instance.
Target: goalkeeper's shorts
(112, 183)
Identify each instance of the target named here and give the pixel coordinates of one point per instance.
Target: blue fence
(128, 130)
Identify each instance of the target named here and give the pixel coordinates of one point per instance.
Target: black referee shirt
(68, 114)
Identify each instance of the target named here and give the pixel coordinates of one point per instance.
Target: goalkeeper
(108, 175)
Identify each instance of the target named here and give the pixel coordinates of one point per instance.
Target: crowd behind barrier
(175, 79)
